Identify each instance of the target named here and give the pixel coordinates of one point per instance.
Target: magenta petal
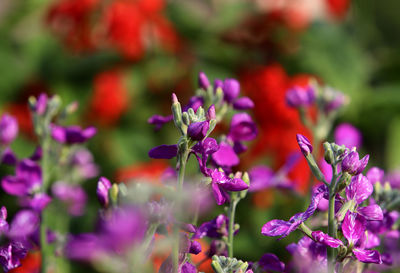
(375, 175)
(347, 135)
(103, 185)
(235, 184)
(371, 212)
(30, 171)
(225, 156)
(353, 227)
(243, 128)
(261, 177)
(275, 228)
(164, 151)
(325, 239)
(219, 197)
(243, 103)
(304, 144)
(14, 185)
(89, 132)
(25, 223)
(270, 262)
(369, 240)
(359, 189)
(367, 256)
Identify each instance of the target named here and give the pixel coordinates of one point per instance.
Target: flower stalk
(231, 228)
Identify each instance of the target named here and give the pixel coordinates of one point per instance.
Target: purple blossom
(11, 254)
(27, 179)
(37, 202)
(24, 224)
(159, 120)
(8, 129)
(304, 144)
(325, 239)
(367, 256)
(243, 128)
(72, 134)
(352, 163)
(216, 228)
(300, 96)
(270, 262)
(8, 157)
(375, 174)
(225, 156)
(198, 130)
(73, 196)
(221, 183)
(103, 185)
(231, 88)
(371, 212)
(218, 84)
(348, 135)
(37, 154)
(333, 99)
(195, 102)
(164, 151)
(203, 81)
(203, 150)
(3, 221)
(359, 189)
(353, 227)
(211, 112)
(243, 103)
(284, 228)
(82, 160)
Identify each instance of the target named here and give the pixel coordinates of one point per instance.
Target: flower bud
(231, 89)
(243, 103)
(203, 81)
(218, 84)
(103, 186)
(114, 191)
(211, 112)
(198, 130)
(299, 96)
(304, 144)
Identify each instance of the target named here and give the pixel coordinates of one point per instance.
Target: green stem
(332, 229)
(231, 229)
(45, 248)
(181, 175)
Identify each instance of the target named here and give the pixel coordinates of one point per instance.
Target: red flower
(151, 171)
(278, 123)
(110, 97)
(338, 8)
(70, 20)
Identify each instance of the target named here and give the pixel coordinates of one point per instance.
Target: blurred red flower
(151, 171)
(110, 97)
(278, 123)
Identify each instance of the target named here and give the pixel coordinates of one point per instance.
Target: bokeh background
(122, 59)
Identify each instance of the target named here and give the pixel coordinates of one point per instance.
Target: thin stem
(181, 175)
(332, 229)
(231, 231)
(45, 248)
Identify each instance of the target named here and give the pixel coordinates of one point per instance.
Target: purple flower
(211, 112)
(203, 150)
(72, 134)
(37, 202)
(24, 224)
(299, 96)
(371, 212)
(164, 151)
(8, 157)
(284, 228)
(83, 247)
(375, 175)
(243, 103)
(159, 120)
(347, 135)
(225, 156)
(195, 102)
(221, 183)
(103, 185)
(37, 154)
(325, 239)
(367, 256)
(304, 144)
(333, 99)
(27, 179)
(242, 128)
(352, 163)
(270, 262)
(82, 160)
(73, 196)
(231, 89)
(11, 254)
(359, 189)
(8, 129)
(203, 81)
(216, 228)
(353, 227)
(198, 130)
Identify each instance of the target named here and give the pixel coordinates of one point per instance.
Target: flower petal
(353, 227)
(371, 212)
(164, 151)
(359, 189)
(367, 256)
(325, 239)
